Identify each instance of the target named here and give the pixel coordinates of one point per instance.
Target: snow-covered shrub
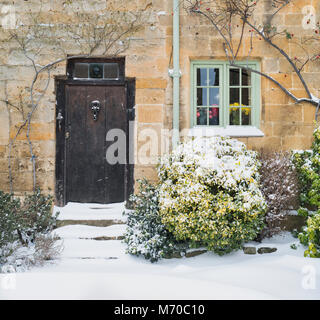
(310, 236)
(25, 230)
(37, 218)
(18, 258)
(210, 195)
(145, 234)
(9, 218)
(46, 247)
(308, 167)
(279, 185)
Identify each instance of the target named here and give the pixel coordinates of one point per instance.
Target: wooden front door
(91, 111)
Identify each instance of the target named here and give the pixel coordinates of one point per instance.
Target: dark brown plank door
(85, 145)
(116, 118)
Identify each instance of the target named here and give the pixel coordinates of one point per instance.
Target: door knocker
(95, 108)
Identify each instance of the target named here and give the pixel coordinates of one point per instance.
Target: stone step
(94, 223)
(91, 214)
(79, 231)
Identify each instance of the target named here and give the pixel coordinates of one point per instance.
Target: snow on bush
(308, 167)
(145, 234)
(9, 218)
(25, 228)
(36, 216)
(310, 236)
(209, 193)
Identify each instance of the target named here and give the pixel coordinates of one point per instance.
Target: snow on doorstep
(91, 211)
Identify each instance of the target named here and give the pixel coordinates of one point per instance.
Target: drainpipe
(175, 74)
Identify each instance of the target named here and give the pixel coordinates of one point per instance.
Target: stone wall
(285, 125)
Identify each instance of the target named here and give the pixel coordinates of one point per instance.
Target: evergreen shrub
(308, 167)
(210, 193)
(25, 220)
(145, 234)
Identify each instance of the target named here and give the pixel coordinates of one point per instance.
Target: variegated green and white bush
(209, 193)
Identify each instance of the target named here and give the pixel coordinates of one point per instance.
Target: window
(96, 71)
(224, 96)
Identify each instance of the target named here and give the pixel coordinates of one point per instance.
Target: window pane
(202, 116)
(234, 116)
(235, 96)
(214, 96)
(246, 96)
(202, 97)
(202, 77)
(111, 71)
(213, 77)
(246, 77)
(246, 116)
(81, 70)
(213, 116)
(96, 70)
(234, 77)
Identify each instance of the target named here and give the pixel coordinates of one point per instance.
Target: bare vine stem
(244, 10)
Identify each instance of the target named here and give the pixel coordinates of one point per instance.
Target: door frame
(60, 158)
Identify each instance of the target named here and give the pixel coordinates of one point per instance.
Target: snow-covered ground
(91, 269)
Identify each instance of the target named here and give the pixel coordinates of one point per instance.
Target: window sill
(230, 131)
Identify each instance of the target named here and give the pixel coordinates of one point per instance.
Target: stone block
(150, 113)
(275, 96)
(148, 172)
(4, 182)
(249, 250)
(38, 131)
(263, 250)
(148, 143)
(151, 83)
(195, 253)
(271, 65)
(284, 79)
(267, 128)
(268, 144)
(4, 123)
(45, 148)
(150, 96)
(287, 129)
(284, 113)
(292, 19)
(298, 143)
(46, 181)
(309, 113)
(3, 150)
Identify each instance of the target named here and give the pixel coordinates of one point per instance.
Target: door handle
(59, 119)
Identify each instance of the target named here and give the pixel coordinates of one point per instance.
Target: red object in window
(198, 114)
(215, 112)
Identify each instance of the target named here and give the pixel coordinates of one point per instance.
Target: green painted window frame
(224, 66)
